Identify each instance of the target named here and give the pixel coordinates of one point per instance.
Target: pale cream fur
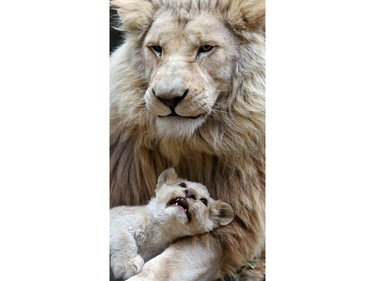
(216, 135)
(139, 233)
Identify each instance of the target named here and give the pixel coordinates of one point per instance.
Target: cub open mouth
(181, 202)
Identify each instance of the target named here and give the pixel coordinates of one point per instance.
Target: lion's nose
(190, 194)
(169, 99)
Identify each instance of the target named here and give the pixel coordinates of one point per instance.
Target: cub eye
(182, 184)
(204, 201)
(205, 48)
(157, 50)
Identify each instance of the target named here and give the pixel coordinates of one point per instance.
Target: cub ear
(168, 176)
(221, 213)
(135, 15)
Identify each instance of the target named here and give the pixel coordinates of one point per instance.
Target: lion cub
(180, 208)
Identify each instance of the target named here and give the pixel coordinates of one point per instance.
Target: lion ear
(221, 213)
(246, 14)
(168, 176)
(135, 15)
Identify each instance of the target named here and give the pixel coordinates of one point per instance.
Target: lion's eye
(157, 50)
(205, 48)
(182, 184)
(204, 201)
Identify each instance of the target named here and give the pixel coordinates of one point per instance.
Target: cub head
(189, 54)
(188, 206)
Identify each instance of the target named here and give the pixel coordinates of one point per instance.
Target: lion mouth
(181, 202)
(174, 114)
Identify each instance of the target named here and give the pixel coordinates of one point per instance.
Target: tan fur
(223, 148)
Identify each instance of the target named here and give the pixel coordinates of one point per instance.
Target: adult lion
(187, 90)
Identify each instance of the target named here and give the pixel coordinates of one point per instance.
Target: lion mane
(226, 153)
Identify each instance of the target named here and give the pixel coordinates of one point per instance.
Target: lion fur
(227, 154)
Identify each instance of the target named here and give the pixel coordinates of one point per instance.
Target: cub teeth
(176, 204)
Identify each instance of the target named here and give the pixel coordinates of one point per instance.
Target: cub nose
(190, 194)
(170, 100)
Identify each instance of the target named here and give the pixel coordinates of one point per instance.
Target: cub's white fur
(181, 208)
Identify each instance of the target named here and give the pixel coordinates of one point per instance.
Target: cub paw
(128, 268)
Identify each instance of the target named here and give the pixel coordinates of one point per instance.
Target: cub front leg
(125, 261)
(126, 268)
(190, 259)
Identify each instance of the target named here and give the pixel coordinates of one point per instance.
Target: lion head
(188, 66)
(189, 57)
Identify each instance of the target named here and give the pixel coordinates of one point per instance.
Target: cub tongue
(181, 202)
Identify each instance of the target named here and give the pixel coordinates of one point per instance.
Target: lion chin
(178, 127)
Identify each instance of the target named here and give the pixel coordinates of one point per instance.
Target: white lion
(180, 208)
(188, 91)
